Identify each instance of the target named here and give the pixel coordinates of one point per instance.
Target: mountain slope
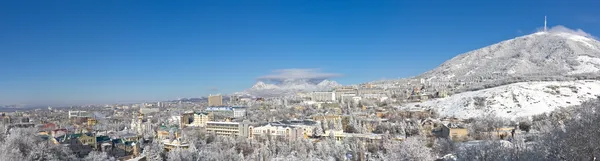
(540, 54)
(524, 76)
(515, 100)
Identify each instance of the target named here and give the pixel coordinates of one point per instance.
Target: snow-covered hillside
(552, 53)
(515, 100)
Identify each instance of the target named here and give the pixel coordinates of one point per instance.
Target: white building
(228, 128)
(145, 110)
(200, 119)
(281, 130)
(231, 111)
(293, 129)
(356, 99)
(139, 126)
(239, 112)
(322, 96)
(78, 114)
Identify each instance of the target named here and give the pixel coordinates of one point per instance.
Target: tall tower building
(216, 100)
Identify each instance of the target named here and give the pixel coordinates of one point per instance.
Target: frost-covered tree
(23, 144)
(154, 151)
(183, 154)
(413, 148)
(98, 156)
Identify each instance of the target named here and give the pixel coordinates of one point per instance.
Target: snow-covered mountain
(290, 86)
(524, 76)
(515, 100)
(539, 54)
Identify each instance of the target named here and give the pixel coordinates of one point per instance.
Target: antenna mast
(545, 29)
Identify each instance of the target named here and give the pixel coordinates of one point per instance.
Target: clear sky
(108, 51)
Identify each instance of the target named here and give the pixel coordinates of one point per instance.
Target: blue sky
(64, 52)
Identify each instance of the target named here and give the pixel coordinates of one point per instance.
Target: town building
(168, 132)
(372, 93)
(322, 96)
(345, 92)
(228, 128)
(139, 125)
(201, 118)
(81, 144)
(216, 100)
(146, 110)
(227, 111)
(177, 143)
(277, 130)
(187, 118)
(78, 114)
(292, 129)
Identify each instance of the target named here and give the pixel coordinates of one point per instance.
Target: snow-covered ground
(586, 65)
(515, 100)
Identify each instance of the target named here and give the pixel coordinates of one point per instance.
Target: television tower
(545, 29)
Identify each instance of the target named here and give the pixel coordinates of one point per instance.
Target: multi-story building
(372, 93)
(345, 92)
(292, 129)
(216, 100)
(187, 118)
(177, 143)
(228, 111)
(322, 96)
(138, 124)
(78, 114)
(145, 110)
(277, 130)
(228, 128)
(201, 118)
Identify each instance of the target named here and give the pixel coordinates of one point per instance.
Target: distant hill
(289, 87)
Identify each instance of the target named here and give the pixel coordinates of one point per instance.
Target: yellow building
(87, 140)
(175, 144)
(459, 134)
(200, 119)
(91, 122)
(216, 100)
(327, 118)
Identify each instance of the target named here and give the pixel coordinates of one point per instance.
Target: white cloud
(563, 29)
(298, 73)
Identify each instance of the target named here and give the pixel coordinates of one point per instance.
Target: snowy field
(515, 100)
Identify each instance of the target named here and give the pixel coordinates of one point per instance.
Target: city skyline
(108, 52)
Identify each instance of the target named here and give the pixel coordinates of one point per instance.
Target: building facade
(277, 130)
(228, 111)
(73, 114)
(347, 91)
(201, 118)
(322, 96)
(216, 100)
(228, 128)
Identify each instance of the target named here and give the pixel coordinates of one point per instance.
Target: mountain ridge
(289, 87)
(542, 53)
